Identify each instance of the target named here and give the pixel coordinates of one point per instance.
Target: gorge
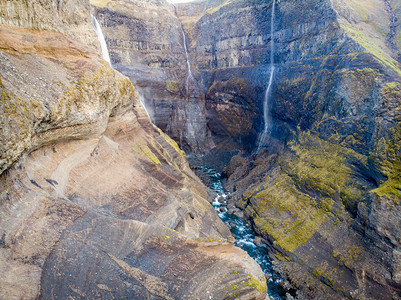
(295, 104)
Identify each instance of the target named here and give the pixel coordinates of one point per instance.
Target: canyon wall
(146, 43)
(95, 201)
(325, 193)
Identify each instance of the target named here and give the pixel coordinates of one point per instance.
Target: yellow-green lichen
(259, 286)
(291, 203)
(143, 150)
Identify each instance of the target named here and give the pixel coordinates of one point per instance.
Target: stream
(244, 236)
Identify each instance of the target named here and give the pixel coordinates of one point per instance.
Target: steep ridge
(95, 201)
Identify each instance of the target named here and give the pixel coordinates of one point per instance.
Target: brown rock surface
(94, 200)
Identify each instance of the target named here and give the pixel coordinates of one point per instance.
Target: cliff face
(146, 43)
(95, 201)
(326, 190)
(51, 15)
(325, 194)
(319, 60)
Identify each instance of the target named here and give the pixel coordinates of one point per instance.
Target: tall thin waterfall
(100, 36)
(189, 75)
(266, 100)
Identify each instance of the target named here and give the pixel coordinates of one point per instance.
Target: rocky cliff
(325, 194)
(147, 43)
(95, 201)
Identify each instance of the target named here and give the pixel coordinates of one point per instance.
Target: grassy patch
(372, 47)
(260, 286)
(291, 203)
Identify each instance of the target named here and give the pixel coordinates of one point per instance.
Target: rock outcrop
(95, 201)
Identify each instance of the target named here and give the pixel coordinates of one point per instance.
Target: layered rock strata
(326, 191)
(147, 44)
(95, 201)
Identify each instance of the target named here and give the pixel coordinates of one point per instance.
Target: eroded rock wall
(68, 17)
(335, 106)
(95, 201)
(146, 43)
(322, 191)
(315, 194)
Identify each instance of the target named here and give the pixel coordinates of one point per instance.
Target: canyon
(323, 188)
(95, 201)
(294, 104)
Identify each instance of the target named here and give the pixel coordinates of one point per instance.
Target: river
(244, 236)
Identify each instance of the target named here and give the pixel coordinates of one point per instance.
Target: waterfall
(184, 41)
(189, 75)
(100, 36)
(266, 100)
(106, 57)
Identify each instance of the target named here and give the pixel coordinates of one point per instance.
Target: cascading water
(266, 100)
(184, 42)
(189, 75)
(100, 36)
(244, 236)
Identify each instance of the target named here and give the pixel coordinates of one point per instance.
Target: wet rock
(257, 241)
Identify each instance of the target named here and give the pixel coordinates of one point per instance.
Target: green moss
(143, 149)
(282, 257)
(391, 166)
(289, 216)
(292, 202)
(321, 167)
(173, 144)
(325, 274)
